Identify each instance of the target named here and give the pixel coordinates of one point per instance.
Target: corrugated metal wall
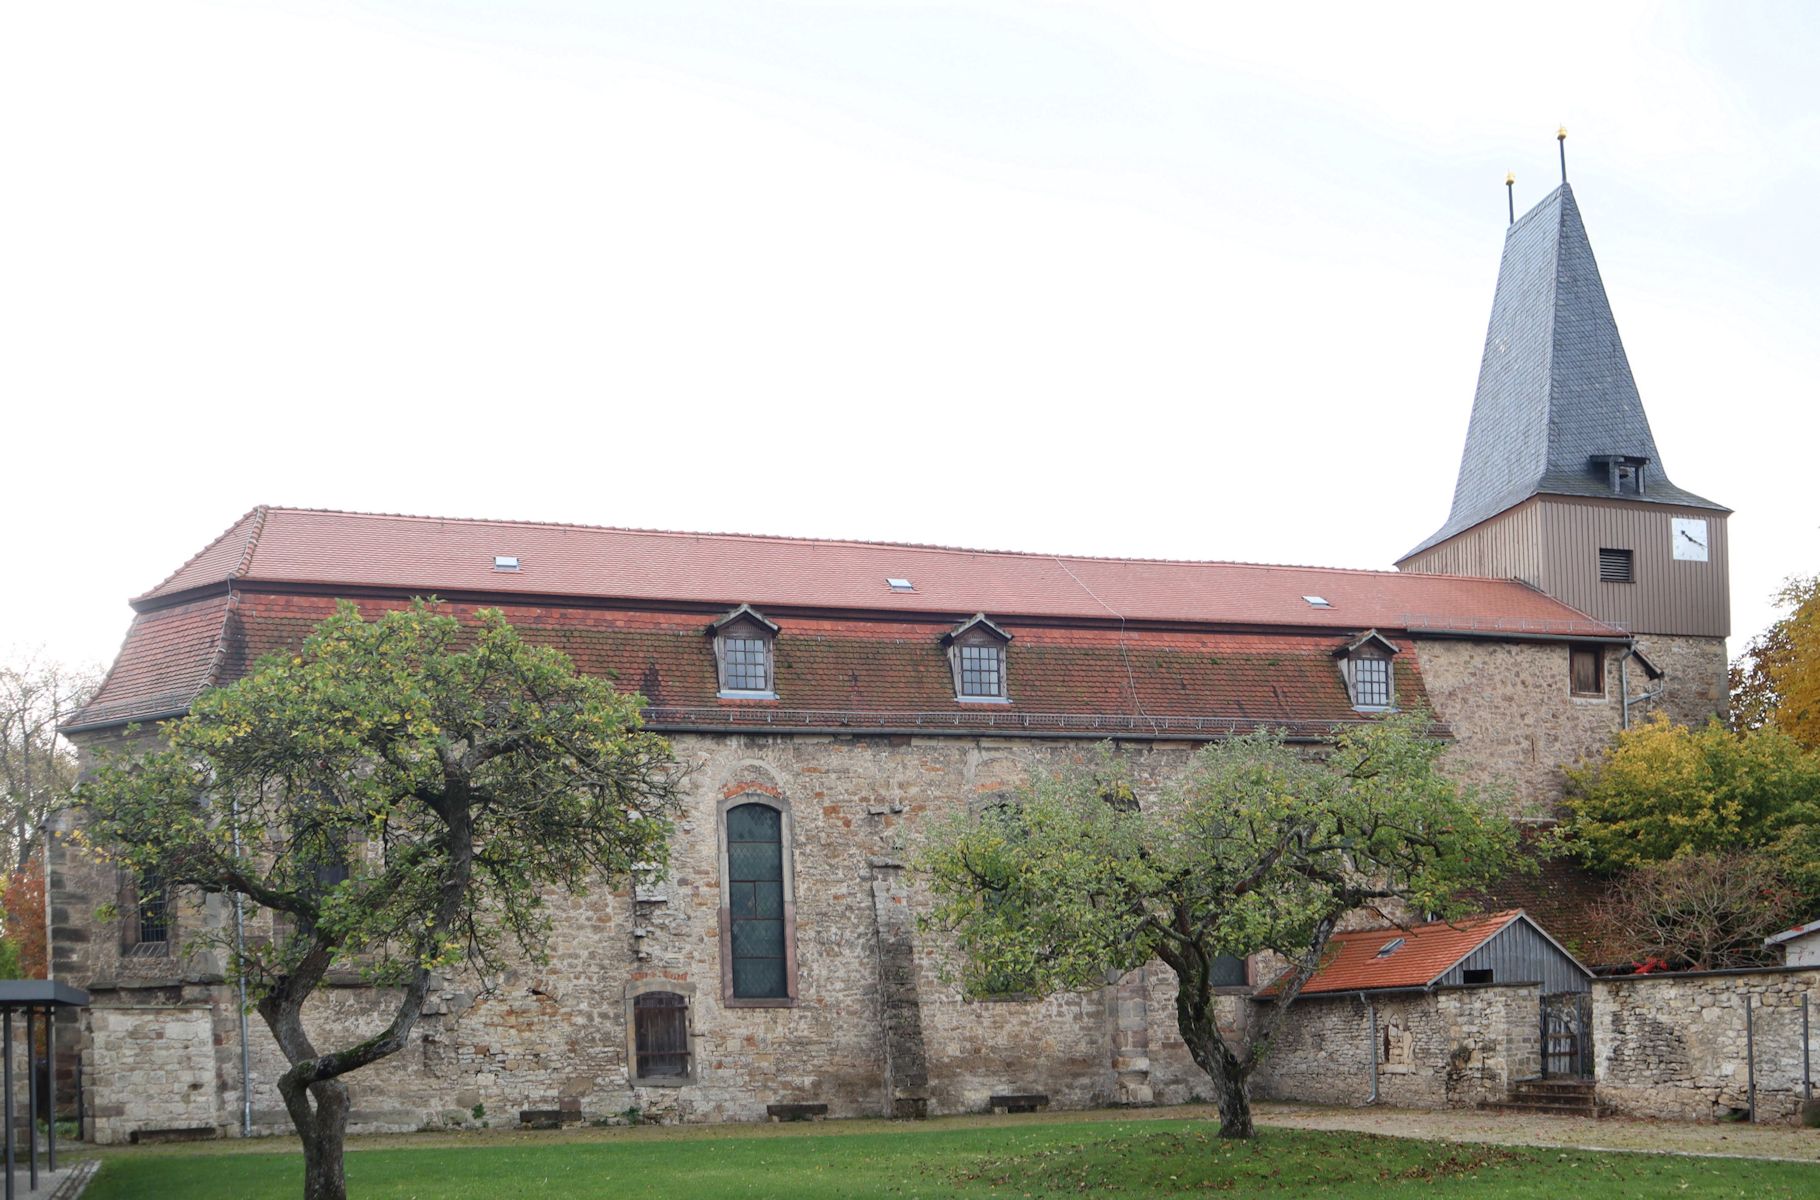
(1521, 955)
(1553, 542)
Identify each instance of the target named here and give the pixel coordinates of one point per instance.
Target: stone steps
(1555, 1097)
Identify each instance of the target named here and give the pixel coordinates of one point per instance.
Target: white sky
(1168, 279)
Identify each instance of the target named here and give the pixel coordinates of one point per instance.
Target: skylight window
(900, 585)
(1391, 947)
(1318, 601)
(505, 562)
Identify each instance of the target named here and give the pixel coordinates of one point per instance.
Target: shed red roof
(1353, 962)
(423, 554)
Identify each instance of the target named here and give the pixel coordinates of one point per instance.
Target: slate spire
(1557, 410)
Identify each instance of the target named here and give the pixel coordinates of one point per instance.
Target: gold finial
(1561, 134)
(1510, 177)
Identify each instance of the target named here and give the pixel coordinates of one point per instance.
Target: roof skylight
(505, 562)
(1391, 947)
(1318, 601)
(900, 585)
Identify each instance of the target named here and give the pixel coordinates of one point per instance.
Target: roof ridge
(933, 547)
(252, 543)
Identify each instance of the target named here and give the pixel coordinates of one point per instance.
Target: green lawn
(1050, 1158)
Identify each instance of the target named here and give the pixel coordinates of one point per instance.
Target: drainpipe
(246, 1054)
(1630, 649)
(1371, 1010)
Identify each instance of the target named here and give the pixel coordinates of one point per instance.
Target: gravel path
(1514, 1129)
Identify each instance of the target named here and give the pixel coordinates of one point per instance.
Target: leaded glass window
(982, 671)
(1371, 682)
(755, 902)
(660, 1031)
(1228, 971)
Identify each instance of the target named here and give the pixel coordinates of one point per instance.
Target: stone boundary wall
(1449, 1048)
(1674, 1045)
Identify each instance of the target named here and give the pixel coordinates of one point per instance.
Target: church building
(832, 698)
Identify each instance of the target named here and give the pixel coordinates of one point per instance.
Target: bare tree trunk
(323, 1129)
(1195, 1019)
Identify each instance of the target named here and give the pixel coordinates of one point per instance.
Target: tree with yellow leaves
(1777, 680)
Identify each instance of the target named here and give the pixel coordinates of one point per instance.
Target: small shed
(1498, 948)
(1800, 946)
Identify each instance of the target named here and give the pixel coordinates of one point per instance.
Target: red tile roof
(169, 657)
(424, 554)
(836, 672)
(1427, 953)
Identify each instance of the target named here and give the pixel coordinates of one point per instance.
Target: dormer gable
(1367, 665)
(744, 654)
(976, 656)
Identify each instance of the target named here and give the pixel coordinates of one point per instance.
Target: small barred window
(661, 1035)
(154, 911)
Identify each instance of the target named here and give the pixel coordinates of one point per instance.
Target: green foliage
(12, 965)
(1257, 847)
(1664, 791)
(457, 771)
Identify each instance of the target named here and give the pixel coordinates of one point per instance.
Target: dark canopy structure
(37, 999)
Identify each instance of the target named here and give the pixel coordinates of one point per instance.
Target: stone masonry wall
(1516, 723)
(553, 1035)
(161, 1071)
(1450, 1048)
(879, 1026)
(1675, 1045)
(1695, 686)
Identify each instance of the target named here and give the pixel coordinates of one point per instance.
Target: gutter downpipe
(1371, 1010)
(1624, 685)
(1630, 649)
(246, 1055)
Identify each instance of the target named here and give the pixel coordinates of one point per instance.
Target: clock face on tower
(1690, 538)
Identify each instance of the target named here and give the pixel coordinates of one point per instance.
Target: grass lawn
(1035, 1159)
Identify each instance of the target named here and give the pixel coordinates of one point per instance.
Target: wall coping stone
(1810, 968)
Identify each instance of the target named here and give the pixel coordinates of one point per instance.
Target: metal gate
(1567, 1036)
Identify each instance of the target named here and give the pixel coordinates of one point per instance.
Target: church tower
(1561, 484)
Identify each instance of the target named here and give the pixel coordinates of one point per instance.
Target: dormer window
(1366, 663)
(1624, 473)
(744, 645)
(976, 655)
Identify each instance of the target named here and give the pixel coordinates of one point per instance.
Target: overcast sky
(1172, 279)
